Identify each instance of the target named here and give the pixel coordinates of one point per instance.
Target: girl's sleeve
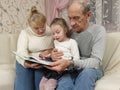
(75, 50)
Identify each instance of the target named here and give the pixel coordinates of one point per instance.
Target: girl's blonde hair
(62, 23)
(37, 17)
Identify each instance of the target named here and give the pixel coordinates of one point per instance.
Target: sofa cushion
(7, 74)
(8, 44)
(109, 82)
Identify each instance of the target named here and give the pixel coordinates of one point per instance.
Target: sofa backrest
(7, 45)
(111, 59)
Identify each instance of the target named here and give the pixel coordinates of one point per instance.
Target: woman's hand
(32, 65)
(56, 55)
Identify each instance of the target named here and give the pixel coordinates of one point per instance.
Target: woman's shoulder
(25, 31)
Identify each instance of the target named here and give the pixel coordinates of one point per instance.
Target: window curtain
(106, 13)
(53, 8)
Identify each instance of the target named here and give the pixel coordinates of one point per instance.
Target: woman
(34, 40)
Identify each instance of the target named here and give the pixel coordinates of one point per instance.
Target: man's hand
(56, 55)
(59, 65)
(32, 65)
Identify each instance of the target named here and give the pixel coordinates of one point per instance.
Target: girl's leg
(42, 83)
(24, 78)
(46, 83)
(50, 84)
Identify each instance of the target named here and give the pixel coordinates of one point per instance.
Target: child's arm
(74, 50)
(45, 54)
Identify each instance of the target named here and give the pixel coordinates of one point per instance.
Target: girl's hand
(45, 54)
(56, 55)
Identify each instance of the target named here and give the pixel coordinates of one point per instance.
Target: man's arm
(94, 61)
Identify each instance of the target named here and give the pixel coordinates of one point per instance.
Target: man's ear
(88, 15)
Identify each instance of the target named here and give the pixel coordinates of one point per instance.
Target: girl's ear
(67, 32)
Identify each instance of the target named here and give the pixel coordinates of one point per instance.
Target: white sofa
(7, 61)
(111, 62)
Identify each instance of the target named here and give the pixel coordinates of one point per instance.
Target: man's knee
(88, 74)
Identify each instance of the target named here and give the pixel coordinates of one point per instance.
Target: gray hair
(85, 3)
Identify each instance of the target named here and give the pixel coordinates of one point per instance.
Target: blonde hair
(37, 17)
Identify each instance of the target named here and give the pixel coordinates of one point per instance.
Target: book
(33, 59)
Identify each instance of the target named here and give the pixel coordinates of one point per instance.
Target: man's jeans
(80, 80)
(27, 79)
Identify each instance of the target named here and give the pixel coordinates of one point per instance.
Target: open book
(33, 59)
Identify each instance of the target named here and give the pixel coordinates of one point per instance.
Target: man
(91, 43)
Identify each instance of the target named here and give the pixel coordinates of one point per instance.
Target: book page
(33, 59)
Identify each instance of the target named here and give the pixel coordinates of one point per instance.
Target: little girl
(64, 43)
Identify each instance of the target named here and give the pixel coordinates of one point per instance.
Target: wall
(14, 14)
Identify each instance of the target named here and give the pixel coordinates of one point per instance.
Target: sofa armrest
(111, 59)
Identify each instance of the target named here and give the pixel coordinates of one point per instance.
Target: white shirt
(30, 43)
(69, 49)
